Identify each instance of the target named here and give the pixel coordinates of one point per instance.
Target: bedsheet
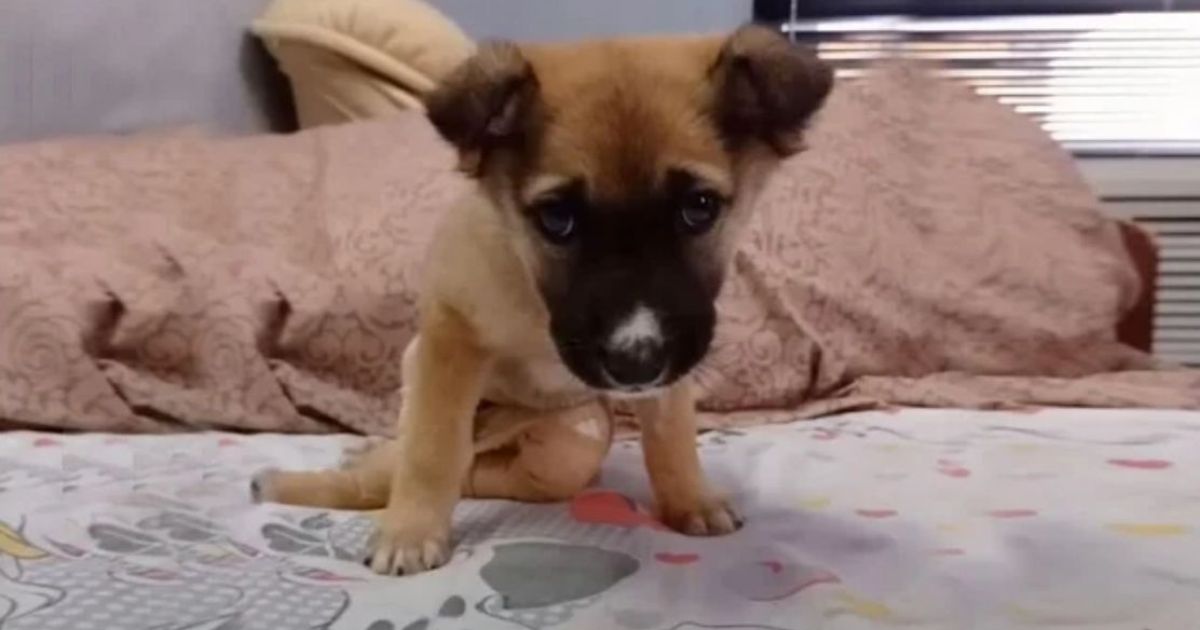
(914, 519)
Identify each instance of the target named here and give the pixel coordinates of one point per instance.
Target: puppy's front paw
(404, 547)
(708, 517)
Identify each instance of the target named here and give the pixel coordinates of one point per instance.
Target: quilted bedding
(916, 519)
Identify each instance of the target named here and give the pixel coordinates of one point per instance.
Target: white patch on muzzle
(640, 327)
(636, 393)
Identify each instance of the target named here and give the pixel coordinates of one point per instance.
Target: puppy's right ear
(487, 104)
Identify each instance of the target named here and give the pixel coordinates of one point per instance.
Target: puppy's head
(624, 170)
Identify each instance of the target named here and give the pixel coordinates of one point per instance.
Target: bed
(919, 519)
(1044, 515)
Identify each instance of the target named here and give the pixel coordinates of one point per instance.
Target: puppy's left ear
(766, 89)
(488, 103)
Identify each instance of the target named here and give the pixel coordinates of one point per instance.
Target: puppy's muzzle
(635, 354)
(640, 365)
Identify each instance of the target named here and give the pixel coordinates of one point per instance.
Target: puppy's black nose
(640, 363)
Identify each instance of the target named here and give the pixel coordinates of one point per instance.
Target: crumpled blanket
(931, 248)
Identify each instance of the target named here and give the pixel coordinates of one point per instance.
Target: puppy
(612, 181)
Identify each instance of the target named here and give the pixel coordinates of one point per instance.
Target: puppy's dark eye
(557, 219)
(699, 210)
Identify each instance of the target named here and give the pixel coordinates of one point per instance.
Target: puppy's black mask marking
(625, 257)
(626, 260)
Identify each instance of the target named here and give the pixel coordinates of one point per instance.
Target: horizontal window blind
(1120, 90)
(1125, 83)
(782, 10)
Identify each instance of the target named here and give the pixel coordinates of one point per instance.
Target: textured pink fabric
(928, 244)
(268, 283)
(263, 283)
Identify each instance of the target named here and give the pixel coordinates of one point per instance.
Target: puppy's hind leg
(553, 457)
(363, 485)
(521, 454)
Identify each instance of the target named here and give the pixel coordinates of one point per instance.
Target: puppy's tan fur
(616, 115)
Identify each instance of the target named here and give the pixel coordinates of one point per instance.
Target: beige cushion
(354, 59)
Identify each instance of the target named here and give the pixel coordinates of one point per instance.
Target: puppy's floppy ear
(489, 102)
(766, 89)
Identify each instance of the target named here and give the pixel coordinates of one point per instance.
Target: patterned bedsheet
(916, 519)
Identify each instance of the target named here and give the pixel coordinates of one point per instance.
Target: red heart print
(1141, 464)
(604, 507)
(825, 435)
(953, 469)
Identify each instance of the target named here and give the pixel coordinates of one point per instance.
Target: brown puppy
(613, 180)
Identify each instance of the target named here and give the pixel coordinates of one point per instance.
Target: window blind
(1112, 84)
(1119, 88)
(781, 10)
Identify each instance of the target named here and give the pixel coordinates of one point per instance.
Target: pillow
(354, 59)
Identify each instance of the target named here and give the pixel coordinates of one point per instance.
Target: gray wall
(72, 67)
(569, 19)
(101, 66)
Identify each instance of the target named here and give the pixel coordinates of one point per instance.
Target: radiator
(1163, 195)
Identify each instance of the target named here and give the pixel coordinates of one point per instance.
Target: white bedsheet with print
(917, 519)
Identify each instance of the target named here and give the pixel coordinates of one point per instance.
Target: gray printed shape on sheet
(536, 575)
(182, 527)
(453, 607)
(116, 539)
(693, 625)
(289, 540)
